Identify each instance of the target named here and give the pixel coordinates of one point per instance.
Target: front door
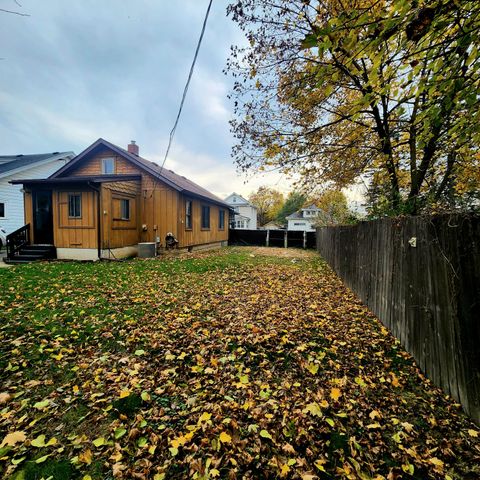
(42, 217)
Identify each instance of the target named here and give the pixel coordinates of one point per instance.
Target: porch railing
(17, 239)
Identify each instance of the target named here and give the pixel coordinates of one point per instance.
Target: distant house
(31, 166)
(107, 200)
(245, 213)
(304, 219)
(273, 226)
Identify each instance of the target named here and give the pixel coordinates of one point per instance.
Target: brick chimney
(133, 147)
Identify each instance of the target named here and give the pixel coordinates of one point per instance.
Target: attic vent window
(108, 166)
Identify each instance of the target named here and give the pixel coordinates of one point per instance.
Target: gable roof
(295, 215)
(14, 163)
(169, 177)
(243, 201)
(312, 207)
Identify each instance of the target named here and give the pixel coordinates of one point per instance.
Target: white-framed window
(108, 166)
(3, 212)
(74, 205)
(299, 224)
(221, 219)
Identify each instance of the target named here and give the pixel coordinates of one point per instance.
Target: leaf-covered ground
(231, 364)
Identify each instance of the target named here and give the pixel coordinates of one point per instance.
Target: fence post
(304, 239)
(285, 239)
(267, 242)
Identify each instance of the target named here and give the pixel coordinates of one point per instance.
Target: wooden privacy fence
(421, 277)
(272, 238)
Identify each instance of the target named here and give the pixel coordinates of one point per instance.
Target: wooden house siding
(117, 232)
(75, 232)
(196, 235)
(158, 202)
(156, 206)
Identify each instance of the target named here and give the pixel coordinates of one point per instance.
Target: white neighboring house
(304, 219)
(245, 212)
(32, 167)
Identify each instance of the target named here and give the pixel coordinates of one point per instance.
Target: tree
(294, 202)
(388, 89)
(334, 206)
(268, 202)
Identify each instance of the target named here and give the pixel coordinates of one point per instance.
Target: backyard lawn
(237, 363)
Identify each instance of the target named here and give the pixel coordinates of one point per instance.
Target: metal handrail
(17, 239)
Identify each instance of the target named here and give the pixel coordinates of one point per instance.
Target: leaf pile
(229, 364)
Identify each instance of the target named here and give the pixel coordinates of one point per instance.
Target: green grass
(112, 362)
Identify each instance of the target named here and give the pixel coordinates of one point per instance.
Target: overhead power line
(185, 90)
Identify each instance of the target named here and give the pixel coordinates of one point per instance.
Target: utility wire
(185, 90)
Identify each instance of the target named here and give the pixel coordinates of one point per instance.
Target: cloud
(220, 178)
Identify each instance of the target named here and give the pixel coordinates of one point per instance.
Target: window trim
(203, 218)
(104, 159)
(221, 219)
(4, 216)
(70, 196)
(188, 215)
(122, 202)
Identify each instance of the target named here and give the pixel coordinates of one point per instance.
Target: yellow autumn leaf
(205, 417)
(312, 368)
(313, 409)
(437, 462)
(284, 470)
(86, 457)
(335, 393)
(265, 434)
(38, 442)
(225, 437)
(473, 433)
(214, 473)
(124, 393)
(13, 438)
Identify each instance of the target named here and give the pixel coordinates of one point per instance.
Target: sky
(73, 71)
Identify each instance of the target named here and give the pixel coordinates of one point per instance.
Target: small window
(75, 205)
(108, 166)
(188, 214)
(2, 210)
(234, 199)
(205, 217)
(125, 209)
(221, 219)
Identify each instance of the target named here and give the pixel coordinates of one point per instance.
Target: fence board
(428, 295)
(276, 238)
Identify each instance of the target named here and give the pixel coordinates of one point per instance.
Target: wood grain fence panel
(427, 294)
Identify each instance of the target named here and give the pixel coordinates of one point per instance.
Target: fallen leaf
(13, 438)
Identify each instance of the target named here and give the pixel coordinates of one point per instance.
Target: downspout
(99, 233)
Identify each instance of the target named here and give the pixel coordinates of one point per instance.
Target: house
(304, 219)
(245, 213)
(31, 166)
(107, 200)
(273, 225)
